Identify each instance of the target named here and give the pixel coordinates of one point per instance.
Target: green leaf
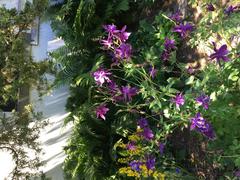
(213, 96)
(122, 6)
(190, 80)
(237, 162)
(234, 75)
(120, 141)
(83, 79)
(123, 153)
(172, 80)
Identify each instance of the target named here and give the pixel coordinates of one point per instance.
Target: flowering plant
(132, 87)
(155, 116)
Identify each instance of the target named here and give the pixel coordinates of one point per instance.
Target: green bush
(153, 117)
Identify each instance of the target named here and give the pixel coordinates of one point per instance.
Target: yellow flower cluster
(129, 172)
(143, 173)
(121, 145)
(134, 137)
(150, 173)
(134, 152)
(123, 160)
(158, 175)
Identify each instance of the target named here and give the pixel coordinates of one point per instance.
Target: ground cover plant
(139, 112)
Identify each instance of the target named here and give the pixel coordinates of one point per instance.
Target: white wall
(53, 138)
(6, 164)
(10, 3)
(46, 34)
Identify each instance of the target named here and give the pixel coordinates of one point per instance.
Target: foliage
(20, 129)
(79, 23)
(13, 40)
(183, 108)
(19, 136)
(221, 82)
(216, 25)
(80, 56)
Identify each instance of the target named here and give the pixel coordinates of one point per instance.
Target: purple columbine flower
(179, 100)
(113, 87)
(152, 72)
(142, 122)
(161, 147)
(210, 7)
(169, 44)
(229, 10)
(183, 29)
(111, 29)
(123, 52)
(220, 53)
(123, 35)
(150, 162)
(203, 100)
(114, 91)
(237, 173)
(101, 111)
(201, 125)
(131, 146)
(101, 75)
(177, 17)
(128, 92)
(165, 55)
(107, 44)
(147, 134)
(135, 165)
(178, 170)
(190, 70)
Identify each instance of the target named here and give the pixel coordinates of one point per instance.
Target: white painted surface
(6, 164)
(10, 3)
(54, 44)
(53, 137)
(46, 34)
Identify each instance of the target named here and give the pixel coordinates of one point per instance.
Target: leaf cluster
(19, 129)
